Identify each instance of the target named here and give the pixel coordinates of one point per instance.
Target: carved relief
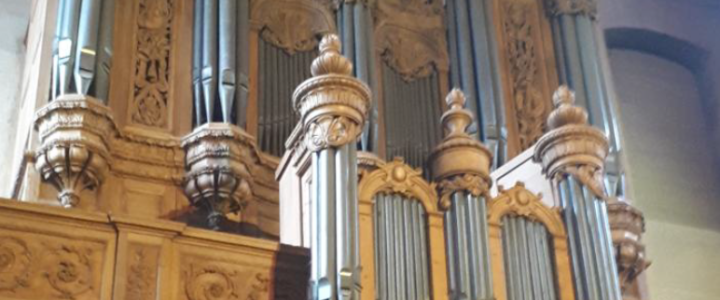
(292, 25)
(142, 273)
(69, 271)
(571, 7)
(627, 225)
(519, 201)
(530, 106)
(213, 282)
(475, 185)
(151, 99)
(410, 37)
(15, 263)
(330, 132)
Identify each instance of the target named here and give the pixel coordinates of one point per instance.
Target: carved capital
(627, 225)
(74, 135)
(571, 7)
(332, 104)
(572, 147)
(217, 176)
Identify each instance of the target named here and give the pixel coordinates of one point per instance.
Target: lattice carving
(152, 79)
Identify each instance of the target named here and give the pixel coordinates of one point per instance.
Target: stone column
(573, 155)
(461, 166)
(333, 107)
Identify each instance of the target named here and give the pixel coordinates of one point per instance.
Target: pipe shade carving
(74, 154)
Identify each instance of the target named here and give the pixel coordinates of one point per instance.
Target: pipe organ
(301, 149)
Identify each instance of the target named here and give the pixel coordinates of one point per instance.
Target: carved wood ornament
(396, 177)
(292, 25)
(410, 37)
(151, 101)
(519, 201)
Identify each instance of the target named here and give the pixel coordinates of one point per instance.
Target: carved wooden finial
(457, 119)
(566, 113)
(330, 60)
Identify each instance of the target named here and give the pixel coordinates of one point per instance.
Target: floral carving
(330, 132)
(15, 263)
(152, 66)
(142, 274)
(530, 107)
(210, 283)
(411, 54)
(69, 271)
(293, 25)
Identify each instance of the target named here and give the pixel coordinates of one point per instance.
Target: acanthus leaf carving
(328, 131)
(210, 281)
(142, 279)
(69, 271)
(152, 78)
(293, 25)
(472, 184)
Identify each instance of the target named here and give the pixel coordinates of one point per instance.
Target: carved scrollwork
(329, 131)
(292, 25)
(571, 7)
(410, 53)
(210, 283)
(521, 202)
(151, 96)
(590, 176)
(396, 177)
(69, 271)
(15, 262)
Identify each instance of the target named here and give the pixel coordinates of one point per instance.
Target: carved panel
(528, 64)
(38, 266)
(142, 273)
(204, 279)
(292, 25)
(151, 103)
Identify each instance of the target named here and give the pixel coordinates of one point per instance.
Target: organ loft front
(318, 149)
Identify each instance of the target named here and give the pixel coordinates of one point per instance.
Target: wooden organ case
(301, 149)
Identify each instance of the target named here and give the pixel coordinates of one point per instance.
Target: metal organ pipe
(83, 48)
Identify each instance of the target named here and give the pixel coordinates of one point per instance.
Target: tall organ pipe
(463, 191)
(220, 61)
(474, 63)
(83, 48)
(573, 155)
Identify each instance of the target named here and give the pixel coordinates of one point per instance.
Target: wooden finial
(566, 113)
(330, 60)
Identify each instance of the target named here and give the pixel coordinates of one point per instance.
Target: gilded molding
(572, 147)
(332, 104)
(396, 177)
(74, 135)
(627, 224)
(460, 162)
(571, 7)
(292, 25)
(519, 201)
(217, 159)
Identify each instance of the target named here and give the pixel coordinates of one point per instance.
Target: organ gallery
(318, 149)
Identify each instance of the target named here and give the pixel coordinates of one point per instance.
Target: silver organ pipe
(83, 48)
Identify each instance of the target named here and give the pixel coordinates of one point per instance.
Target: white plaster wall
(670, 167)
(14, 18)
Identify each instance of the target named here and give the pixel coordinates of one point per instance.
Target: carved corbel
(572, 147)
(627, 225)
(460, 163)
(217, 176)
(74, 133)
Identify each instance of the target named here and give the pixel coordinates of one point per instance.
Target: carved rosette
(15, 263)
(571, 7)
(459, 163)
(572, 147)
(217, 176)
(332, 104)
(627, 225)
(74, 133)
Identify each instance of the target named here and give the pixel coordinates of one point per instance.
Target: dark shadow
(291, 277)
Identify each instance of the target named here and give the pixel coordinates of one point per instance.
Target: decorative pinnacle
(330, 61)
(566, 113)
(457, 119)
